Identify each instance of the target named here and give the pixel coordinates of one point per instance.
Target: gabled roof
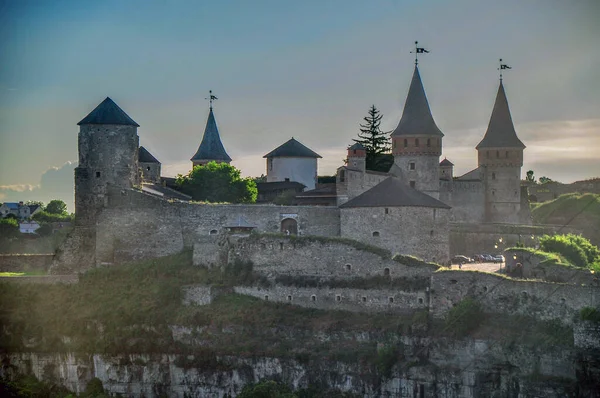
(392, 192)
(292, 149)
(501, 131)
(108, 113)
(12, 205)
(211, 147)
(446, 162)
(33, 208)
(146, 157)
(416, 117)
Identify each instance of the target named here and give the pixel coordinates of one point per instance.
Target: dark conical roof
(501, 131)
(446, 162)
(211, 147)
(108, 113)
(292, 149)
(146, 157)
(416, 117)
(392, 192)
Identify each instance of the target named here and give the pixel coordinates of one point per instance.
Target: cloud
(55, 183)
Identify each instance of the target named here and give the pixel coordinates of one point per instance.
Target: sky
(281, 69)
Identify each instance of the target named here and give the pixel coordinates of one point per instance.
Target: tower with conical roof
(211, 148)
(108, 156)
(417, 141)
(500, 157)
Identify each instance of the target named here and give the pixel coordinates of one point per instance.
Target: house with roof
(19, 210)
(293, 162)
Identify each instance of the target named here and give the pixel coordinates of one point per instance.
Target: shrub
(464, 318)
(387, 357)
(589, 314)
(565, 246)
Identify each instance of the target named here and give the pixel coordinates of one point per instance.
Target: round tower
(108, 156)
(417, 141)
(500, 157)
(357, 157)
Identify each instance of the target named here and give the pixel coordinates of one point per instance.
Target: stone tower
(108, 156)
(211, 148)
(417, 141)
(357, 157)
(500, 158)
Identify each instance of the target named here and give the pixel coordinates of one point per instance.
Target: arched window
(313, 297)
(364, 299)
(348, 267)
(386, 272)
(391, 299)
(376, 234)
(428, 141)
(417, 142)
(289, 298)
(213, 232)
(338, 298)
(266, 298)
(405, 143)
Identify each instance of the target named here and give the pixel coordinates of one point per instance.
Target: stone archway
(289, 224)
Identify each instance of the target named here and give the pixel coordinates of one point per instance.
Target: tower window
(376, 234)
(493, 176)
(391, 299)
(354, 151)
(348, 267)
(364, 299)
(97, 174)
(270, 162)
(497, 154)
(313, 297)
(412, 184)
(338, 298)
(342, 176)
(411, 165)
(405, 143)
(287, 180)
(387, 211)
(417, 142)
(428, 141)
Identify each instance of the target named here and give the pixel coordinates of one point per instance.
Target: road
(487, 267)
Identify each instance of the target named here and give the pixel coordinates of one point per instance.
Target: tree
(545, 180)
(56, 206)
(530, 177)
(35, 202)
(217, 182)
(375, 141)
(9, 227)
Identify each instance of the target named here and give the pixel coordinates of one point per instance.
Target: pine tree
(375, 141)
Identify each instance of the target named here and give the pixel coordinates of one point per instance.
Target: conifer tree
(375, 141)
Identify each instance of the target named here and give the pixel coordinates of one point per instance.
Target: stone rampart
(586, 334)
(534, 267)
(356, 300)
(498, 294)
(25, 262)
(466, 198)
(197, 294)
(322, 258)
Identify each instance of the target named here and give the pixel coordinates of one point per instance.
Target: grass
(547, 258)
(27, 273)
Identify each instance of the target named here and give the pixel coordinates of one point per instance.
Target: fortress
(123, 212)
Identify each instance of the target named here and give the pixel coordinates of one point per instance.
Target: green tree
(218, 182)
(545, 180)
(56, 206)
(35, 202)
(266, 389)
(530, 177)
(9, 227)
(375, 141)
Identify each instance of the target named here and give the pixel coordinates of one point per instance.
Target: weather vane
(211, 98)
(502, 67)
(418, 50)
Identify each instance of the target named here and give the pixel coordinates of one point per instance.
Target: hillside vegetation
(581, 212)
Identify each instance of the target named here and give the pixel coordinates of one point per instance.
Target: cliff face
(426, 368)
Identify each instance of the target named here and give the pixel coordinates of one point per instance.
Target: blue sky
(306, 69)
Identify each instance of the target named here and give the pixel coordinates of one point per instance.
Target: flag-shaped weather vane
(211, 98)
(502, 67)
(418, 50)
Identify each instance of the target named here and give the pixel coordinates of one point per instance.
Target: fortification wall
(532, 268)
(25, 262)
(356, 300)
(474, 238)
(321, 258)
(467, 199)
(497, 294)
(418, 231)
(136, 225)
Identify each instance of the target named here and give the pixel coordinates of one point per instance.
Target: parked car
(487, 258)
(461, 259)
(478, 257)
(499, 259)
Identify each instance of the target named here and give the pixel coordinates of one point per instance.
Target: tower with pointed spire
(500, 158)
(417, 141)
(108, 156)
(211, 148)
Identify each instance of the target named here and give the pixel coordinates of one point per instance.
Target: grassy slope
(581, 212)
(128, 309)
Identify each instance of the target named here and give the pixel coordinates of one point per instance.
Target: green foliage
(387, 357)
(267, 389)
(574, 248)
(94, 389)
(30, 387)
(530, 176)
(56, 206)
(464, 318)
(9, 228)
(218, 182)
(375, 141)
(545, 180)
(45, 217)
(590, 314)
(35, 202)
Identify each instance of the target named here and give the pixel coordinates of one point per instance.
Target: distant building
(28, 227)
(211, 148)
(294, 162)
(149, 166)
(19, 210)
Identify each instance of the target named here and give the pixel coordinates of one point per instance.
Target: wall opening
(391, 299)
(416, 142)
(348, 267)
(280, 245)
(412, 184)
(97, 174)
(213, 232)
(286, 179)
(428, 141)
(289, 298)
(453, 281)
(313, 297)
(387, 211)
(431, 233)
(364, 299)
(338, 298)
(405, 143)
(342, 175)
(289, 226)
(493, 176)
(376, 234)
(266, 297)
(420, 300)
(386, 272)
(411, 165)
(148, 168)
(497, 154)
